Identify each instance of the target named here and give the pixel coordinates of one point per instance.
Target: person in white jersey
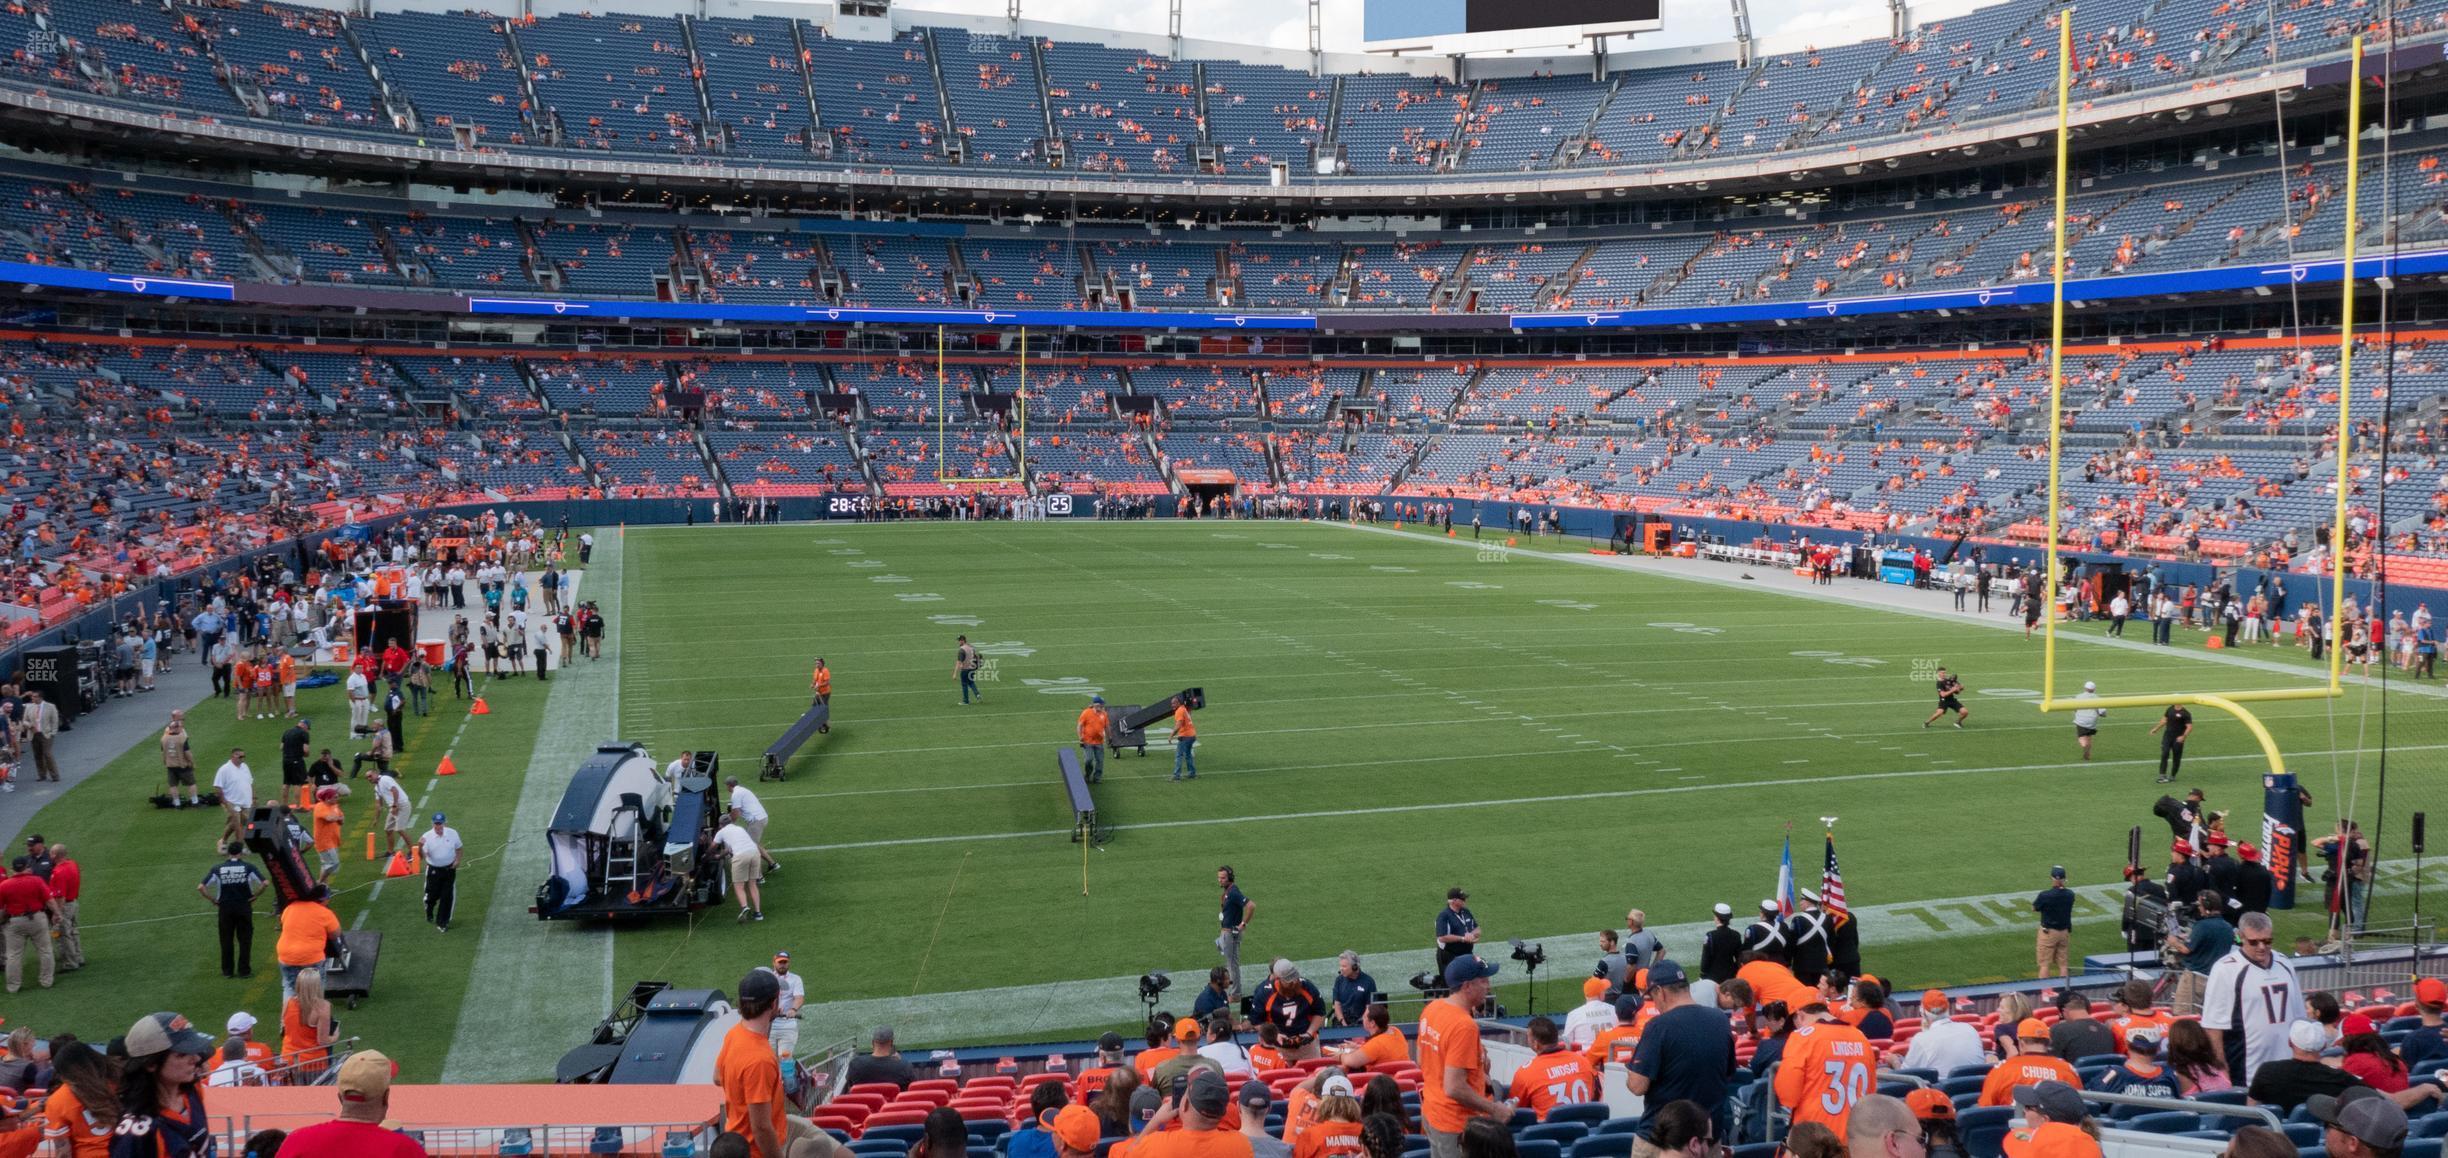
(2251, 998)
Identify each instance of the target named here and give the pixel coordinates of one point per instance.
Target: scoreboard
(1461, 26)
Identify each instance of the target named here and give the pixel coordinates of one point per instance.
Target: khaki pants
(2050, 952)
(71, 950)
(2188, 995)
(33, 928)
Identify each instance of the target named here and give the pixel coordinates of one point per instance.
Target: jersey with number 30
(1549, 1080)
(2259, 1001)
(1827, 1069)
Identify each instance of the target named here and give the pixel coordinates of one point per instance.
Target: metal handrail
(2187, 1105)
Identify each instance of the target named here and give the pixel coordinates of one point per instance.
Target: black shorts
(492, 651)
(2079, 730)
(182, 777)
(1949, 704)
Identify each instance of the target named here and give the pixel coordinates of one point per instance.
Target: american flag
(1831, 880)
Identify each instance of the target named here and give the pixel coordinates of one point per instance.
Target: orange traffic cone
(479, 708)
(398, 867)
(416, 859)
(446, 768)
(369, 846)
(1508, 542)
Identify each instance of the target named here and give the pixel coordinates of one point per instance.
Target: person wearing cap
(1686, 1053)
(1199, 1107)
(241, 1028)
(2055, 904)
(1354, 990)
(2253, 882)
(1595, 1013)
(2175, 726)
(2220, 870)
(329, 821)
(1254, 1101)
(1093, 723)
(754, 1103)
(2087, 720)
(1616, 1042)
(1074, 1130)
(785, 1032)
(1806, 939)
(1453, 1065)
(1384, 1041)
(2185, 876)
(161, 1090)
(2055, 1123)
(753, 817)
(1721, 949)
(1233, 913)
(2359, 1125)
(1558, 1074)
(1828, 1066)
(231, 888)
(1767, 934)
(882, 1063)
(1292, 1005)
(2032, 1062)
(2287, 1082)
(2141, 1074)
(358, 1132)
(1457, 929)
(178, 761)
(1093, 1079)
(1936, 1112)
(2252, 996)
(29, 911)
(2077, 1034)
(2425, 1046)
(235, 1068)
(293, 744)
(1944, 1044)
(392, 812)
(66, 881)
(1333, 1130)
(1215, 995)
(1163, 1034)
(441, 846)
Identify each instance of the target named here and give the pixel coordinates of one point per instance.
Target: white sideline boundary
(550, 979)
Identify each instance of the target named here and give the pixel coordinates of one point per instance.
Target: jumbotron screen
(1417, 24)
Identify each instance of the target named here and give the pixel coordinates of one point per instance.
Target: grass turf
(1388, 716)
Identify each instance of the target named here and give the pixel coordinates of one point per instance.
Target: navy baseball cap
(1664, 973)
(1462, 971)
(437, 818)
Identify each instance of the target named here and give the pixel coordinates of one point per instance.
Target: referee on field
(440, 847)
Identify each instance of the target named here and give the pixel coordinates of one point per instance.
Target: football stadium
(839, 581)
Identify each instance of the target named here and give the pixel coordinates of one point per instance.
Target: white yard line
(552, 979)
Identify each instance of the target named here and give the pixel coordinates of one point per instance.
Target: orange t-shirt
(1554, 1079)
(1183, 729)
(1448, 1039)
(2051, 1140)
(1092, 726)
(824, 681)
(749, 1075)
(1264, 1057)
(288, 669)
(2153, 1025)
(1330, 1140)
(305, 928)
(327, 822)
(1614, 1043)
(242, 675)
(1390, 1046)
(1216, 1143)
(1773, 982)
(1826, 1070)
(1300, 1113)
(1090, 1083)
(1146, 1060)
(2024, 1070)
(299, 1045)
(64, 1118)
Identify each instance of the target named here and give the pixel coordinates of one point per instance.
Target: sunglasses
(2260, 940)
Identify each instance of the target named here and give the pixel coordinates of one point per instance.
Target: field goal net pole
(943, 410)
(2231, 703)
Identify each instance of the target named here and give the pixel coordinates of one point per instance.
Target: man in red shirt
(394, 663)
(364, 1086)
(25, 902)
(67, 882)
(1453, 1064)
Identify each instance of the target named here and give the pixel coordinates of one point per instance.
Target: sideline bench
(819, 718)
(1082, 802)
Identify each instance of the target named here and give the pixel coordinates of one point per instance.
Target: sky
(1285, 23)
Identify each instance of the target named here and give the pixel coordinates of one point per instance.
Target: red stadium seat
(1315, 1064)
(947, 1085)
(895, 1116)
(886, 1091)
(981, 1111)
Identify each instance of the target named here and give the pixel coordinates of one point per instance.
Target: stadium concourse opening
(1534, 484)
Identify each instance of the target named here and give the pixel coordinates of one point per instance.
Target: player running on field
(1950, 699)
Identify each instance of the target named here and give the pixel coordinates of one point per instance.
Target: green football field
(1389, 714)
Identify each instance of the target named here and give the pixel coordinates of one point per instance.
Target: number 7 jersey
(1827, 1069)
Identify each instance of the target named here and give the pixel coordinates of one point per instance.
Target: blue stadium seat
(1561, 1133)
(2109, 1060)
(1930, 1076)
(607, 1139)
(2427, 1126)
(2421, 1148)
(885, 1147)
(1616, 1126)
(1606, 1145)
(2312, 1151)
(1983, 1130)
(2164, 1122)
(1896, 1089)
(1590, 1112)
(989, 1130)
(1971, 1071)
(1766, 1149)
(2304, 1133)
(2303, 1114)
(1414, 1144)
(2409, 1021)
(906, 1135)
(1971, 1083)
(2205, 1135)
(1540, 1148)
(2229, 1097)
(1524, 1117)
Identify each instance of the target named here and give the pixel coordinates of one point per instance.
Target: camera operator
(2202, 943)
(2147, 917)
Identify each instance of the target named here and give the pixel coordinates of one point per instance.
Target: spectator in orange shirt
(1556, 1076)
(1453, 1064)
(2032, 1063)
(1335, 1130)
(328, 821)
(1166, 1039)
(1828, 1068)
(1185, 737)
(1616, 1042)
(1384, 1042)
(2130, 1015)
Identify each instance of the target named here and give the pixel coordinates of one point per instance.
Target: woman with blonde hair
(307, 1030)
(2011, 1011)
(1334, 1128)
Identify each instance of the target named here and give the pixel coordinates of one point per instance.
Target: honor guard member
(1721, 949)
(231, 888)
(1806, 939)
(1766, 935)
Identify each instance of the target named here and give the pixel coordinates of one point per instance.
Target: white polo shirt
(735, 841)
(441, 849)
(236, 784)
(750, 808)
